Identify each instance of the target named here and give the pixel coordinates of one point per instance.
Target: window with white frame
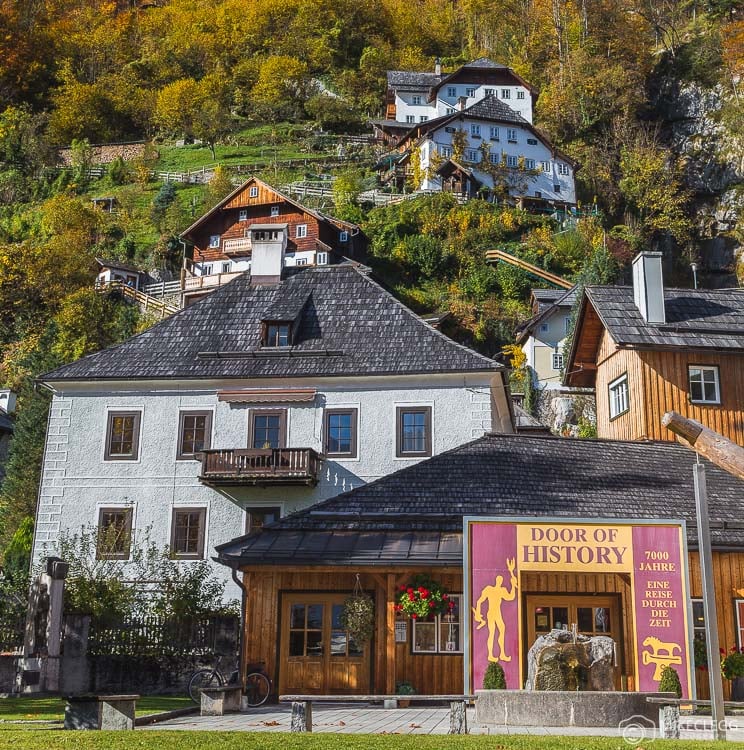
(563, 169)
(226, 267)
(301, 262)
(520, 94)
(449, 111)
(301, 231)
(505, 94)
(495, 158)
(489, 92)
(451, 91)
(214, 240)
(475, 130)
(529, 163)
(416, 100)
(321, 258)
(557, 361)
(275, 210)
(619, 396)
(469, 92)
(442, 635)
(511, 135)
(343, 236)
(410, 119)
(567, 323)
(494, 133)
(471, 154)
(243, 214)
(698, 628)
(207, 269)
(253, 192)
(739, 622)
(423, 118)
(705, 387)
(545, 166)
(445, 151)
(512, 161)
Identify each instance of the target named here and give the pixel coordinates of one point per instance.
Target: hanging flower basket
(423, 598)
(358, 616)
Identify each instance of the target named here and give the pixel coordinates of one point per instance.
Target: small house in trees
(485, 150)
(7, 425)
(414, 97)
(646, 350)
(110, 271)
(223, 243)
(543, 336)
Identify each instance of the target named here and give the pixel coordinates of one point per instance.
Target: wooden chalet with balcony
(647, 350)
(219, 245)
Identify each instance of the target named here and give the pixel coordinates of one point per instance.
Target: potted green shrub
(732, 667)
(669, 682)
(494, 678)
(404, 688)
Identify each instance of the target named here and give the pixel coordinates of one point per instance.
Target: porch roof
(416, 513)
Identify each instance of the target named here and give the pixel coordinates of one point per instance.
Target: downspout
(241, 630)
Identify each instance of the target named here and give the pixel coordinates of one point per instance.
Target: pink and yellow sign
(653, 554)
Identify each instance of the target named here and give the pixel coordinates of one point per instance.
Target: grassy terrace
(50, 709)
(172, 740)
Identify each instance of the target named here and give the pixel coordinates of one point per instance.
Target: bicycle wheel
(257, 689)
(201, 679)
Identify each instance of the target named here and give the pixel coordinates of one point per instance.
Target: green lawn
(35, 709)
(172, 740)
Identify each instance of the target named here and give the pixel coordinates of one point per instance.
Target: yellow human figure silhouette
(495, 595)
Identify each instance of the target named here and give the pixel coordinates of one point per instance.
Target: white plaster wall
(540, 346)
(544, 182)
(446, 101)
(404, 107)
(76, 479)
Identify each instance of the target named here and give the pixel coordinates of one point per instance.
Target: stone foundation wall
(106, 153)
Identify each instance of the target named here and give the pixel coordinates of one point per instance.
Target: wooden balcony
(237, 246)
(226, 466)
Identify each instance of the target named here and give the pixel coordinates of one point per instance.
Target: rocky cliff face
(698, 125)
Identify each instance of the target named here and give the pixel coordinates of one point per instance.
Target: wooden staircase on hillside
(146, 302)
(494, 256)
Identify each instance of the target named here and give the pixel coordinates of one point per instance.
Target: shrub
(669, 682)
(494, 678)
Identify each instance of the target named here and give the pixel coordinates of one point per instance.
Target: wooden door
(316, 654)
(593, 615)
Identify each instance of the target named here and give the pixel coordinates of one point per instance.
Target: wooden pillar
(390, 635)
(380, 654)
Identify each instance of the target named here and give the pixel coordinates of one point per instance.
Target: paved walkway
(373, 719)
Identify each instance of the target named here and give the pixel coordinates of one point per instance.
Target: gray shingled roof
(696, 318)
(484, 62)
(349, 326)
(492, 108)
(412, 79)
(417, 512)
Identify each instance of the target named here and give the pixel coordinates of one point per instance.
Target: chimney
(268, 244)
(648, 287)
(461, 102)
(438, 67)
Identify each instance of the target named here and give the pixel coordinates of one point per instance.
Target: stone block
(221, 700)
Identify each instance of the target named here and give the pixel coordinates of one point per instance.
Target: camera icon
(637, 728)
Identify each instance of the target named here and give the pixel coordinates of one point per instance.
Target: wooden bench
(302, 707)
(669, 712)
(100, 711)
(218, 701)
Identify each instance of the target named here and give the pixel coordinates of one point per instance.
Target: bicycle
(257, 683)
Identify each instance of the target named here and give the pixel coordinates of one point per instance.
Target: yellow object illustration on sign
(661, 654)
(495, 595)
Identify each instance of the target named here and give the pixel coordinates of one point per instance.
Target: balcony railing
(251, 466)
(237, 246)
(192, 283)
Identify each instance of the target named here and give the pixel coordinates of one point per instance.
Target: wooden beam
(390, 642)
(712, 445)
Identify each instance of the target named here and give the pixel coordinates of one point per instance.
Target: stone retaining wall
(106, 153)
(543, 708)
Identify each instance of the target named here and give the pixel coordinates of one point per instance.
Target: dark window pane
(354, 648)
(542, 619)
(122, 436)
(449, 637)
(314, 616)
(314, 643)
(560, 617)
(338, 643)
(297, 616)
(414, 432)
(336, 615)
(340, 439)
(187, 532)
(297, 643)
(601, 620)
(113, 533)
(266, 431)
(277, 334)
(194, 433)
(585, 622)
(259, 517)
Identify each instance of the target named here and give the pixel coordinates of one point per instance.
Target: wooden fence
(157, 637)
